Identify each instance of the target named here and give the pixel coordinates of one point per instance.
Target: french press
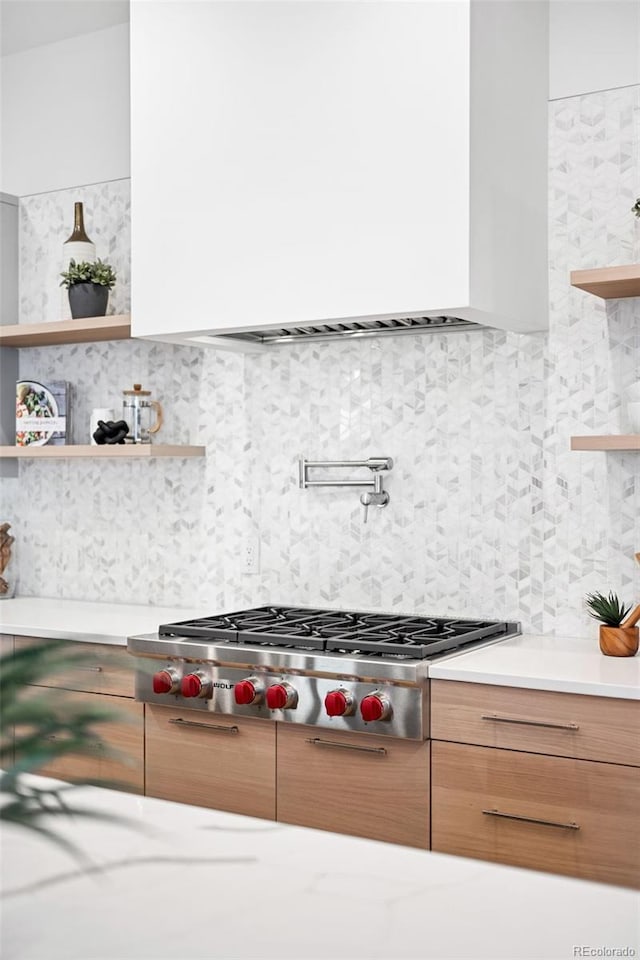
(137, 411)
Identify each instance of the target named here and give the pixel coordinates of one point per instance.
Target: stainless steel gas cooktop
(347, 669)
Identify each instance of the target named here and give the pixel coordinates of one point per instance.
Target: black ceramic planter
(88, 300)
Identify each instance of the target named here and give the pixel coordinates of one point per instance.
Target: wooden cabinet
(211, 760)
(367, 786)
(537, 779)
(6, 645)
(122, 736)
(573, 817)
(103, 676)
(540, 721)
(104, 668)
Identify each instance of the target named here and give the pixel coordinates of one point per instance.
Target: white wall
(594, 45)
(65, 113)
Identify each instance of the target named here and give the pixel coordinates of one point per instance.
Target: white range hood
(304, 168)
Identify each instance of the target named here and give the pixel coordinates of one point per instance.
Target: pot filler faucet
(375, 495)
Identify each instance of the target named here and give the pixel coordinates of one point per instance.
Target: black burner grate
(342, 632)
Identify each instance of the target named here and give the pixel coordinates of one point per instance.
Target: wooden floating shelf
(131, 451)
(620, 442)
(609, 283)
(89, 330)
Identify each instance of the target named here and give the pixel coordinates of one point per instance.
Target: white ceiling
(31, 23)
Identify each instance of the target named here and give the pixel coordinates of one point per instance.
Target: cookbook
(42, 412)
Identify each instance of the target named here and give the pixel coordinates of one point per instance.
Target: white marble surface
(569, 664)
(205, 884)
(80, 620)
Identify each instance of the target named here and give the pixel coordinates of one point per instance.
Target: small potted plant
(618, 636)
(88, 285)
(636, 208)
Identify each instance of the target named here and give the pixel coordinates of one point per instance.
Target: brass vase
(619, 641)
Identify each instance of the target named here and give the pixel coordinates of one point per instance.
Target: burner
(209, 628)
(311, 632)
(417, 637)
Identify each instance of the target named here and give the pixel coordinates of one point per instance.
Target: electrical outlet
(251, 555)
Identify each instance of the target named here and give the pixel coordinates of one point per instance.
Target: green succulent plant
(35, 729)
(88, 272)
(607, 609)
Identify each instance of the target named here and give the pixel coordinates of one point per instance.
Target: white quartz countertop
(187, 882)
(81, 620)
(569, 664)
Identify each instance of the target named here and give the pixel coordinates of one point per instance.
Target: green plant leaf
(86, 271)
(606, 609)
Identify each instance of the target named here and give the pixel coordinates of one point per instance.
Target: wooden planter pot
(619, 641)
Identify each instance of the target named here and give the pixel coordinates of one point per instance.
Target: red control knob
(336, 703)
(277, 697)
(191, 686)
(280, 696)
(163, 682)
(372, 708)
(244, 692)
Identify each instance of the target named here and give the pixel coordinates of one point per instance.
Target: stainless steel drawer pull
(545, 823)
(531, 723)
(220, 727)
(316, 741)
(91, 669)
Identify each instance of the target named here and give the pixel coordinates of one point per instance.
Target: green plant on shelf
(88, 272)
(607, 609)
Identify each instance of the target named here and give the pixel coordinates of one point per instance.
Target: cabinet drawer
(539, 721)
(6, 645)
(125, 734)
(105, 668)
(363, 785)
(574, 817)
(211, 760)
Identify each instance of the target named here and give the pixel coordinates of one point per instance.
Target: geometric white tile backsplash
(490, 513)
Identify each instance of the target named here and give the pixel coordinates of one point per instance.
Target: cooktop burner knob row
(248, 691)
(376, 706)
(339, 703)
(166, 681)
(281, 696)
(195, 685)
